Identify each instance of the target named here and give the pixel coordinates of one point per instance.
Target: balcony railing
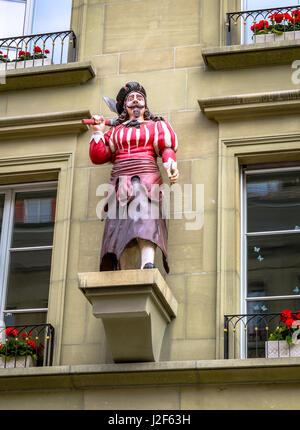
(263, 25)
(246, 335)
(37, 50)
(26, 345)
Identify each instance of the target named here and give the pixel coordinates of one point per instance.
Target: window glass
(29, 277)
(273, 201)
(264, 4)
(34, 219)
(51, 15)
(12, 8)
(274, 265)
(26, 318)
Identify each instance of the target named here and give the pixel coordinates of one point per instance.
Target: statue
(132, 145)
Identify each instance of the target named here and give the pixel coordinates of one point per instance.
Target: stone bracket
(135, 307)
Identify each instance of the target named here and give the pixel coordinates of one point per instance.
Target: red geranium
(286, 314)
(10, 331)
(289, 322)
(276, 16)
(32, 344)
(37, 50)
(263, 24)
(47, 51)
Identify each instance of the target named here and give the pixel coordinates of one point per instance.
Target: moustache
(136, 105)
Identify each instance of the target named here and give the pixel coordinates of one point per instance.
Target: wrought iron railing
(37, 50)
(262, 25)
(246, 335)
(26, 345)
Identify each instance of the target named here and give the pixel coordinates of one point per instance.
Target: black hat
(124, 91)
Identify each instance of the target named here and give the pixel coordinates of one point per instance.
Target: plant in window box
(3, 58)
(283, 26)
(283, 341)
(28, 59)
(17, 351)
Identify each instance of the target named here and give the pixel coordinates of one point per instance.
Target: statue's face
(135, 105)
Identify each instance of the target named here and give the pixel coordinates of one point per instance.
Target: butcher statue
(132, 145)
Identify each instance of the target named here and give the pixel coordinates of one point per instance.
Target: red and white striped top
(148, 141)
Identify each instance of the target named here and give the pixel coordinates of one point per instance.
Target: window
(27, 224)
(261, 4)
(34, 16)
(271, 241)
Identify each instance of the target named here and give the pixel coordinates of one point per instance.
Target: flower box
(281, 349)
(24, 64)
(19, 362)
(273, 37)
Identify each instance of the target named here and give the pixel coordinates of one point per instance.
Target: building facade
(233, 100)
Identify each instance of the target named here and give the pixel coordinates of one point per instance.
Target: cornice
(47, 124)
(251, 105)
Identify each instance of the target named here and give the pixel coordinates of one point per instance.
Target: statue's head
(132, 101)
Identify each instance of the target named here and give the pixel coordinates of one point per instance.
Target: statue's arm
(100, 151)
(167, 144)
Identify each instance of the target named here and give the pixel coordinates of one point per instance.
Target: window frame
(236, 151)
(28, 15)
(244, 172)
(5, 241)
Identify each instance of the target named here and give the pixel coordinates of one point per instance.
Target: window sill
(76, 73)
(245, 56)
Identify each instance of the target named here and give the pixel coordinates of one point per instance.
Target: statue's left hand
(173, 174)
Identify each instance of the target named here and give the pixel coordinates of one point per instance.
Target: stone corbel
(135, 307)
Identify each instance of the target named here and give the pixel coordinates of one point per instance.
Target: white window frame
(244, 253)
(5, 240)
(28, 17)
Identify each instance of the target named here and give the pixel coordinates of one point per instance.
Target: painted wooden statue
(132, 145)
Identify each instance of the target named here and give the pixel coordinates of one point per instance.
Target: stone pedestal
(135, 307)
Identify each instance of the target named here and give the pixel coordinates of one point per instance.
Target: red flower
(278, 17)
(288, 16)
(289, 322)
(47, 51)
(1, 52)
(286, 314)
(22, 53)
(25, 334)
(37, 49)
(263, 24)
(32, 344)
(10, 331)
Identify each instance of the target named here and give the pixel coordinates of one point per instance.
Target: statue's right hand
(99, 123)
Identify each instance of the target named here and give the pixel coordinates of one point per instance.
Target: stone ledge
(199, 372)
(76, 73)
(251, 105)
(256, 54)
(47, 124)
